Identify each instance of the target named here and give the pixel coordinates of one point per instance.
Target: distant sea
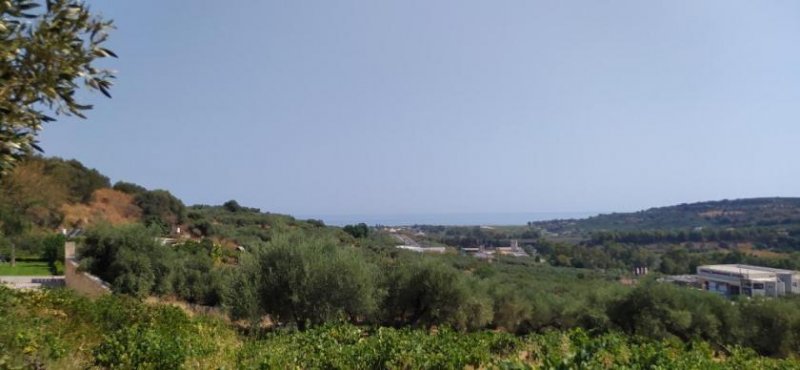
(449, 219)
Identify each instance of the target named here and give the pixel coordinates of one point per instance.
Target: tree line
(306, 279)
(767, 237)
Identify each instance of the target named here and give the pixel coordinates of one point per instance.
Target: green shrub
(57, 329)
(305, 279)
(136, 347)
(424, 292)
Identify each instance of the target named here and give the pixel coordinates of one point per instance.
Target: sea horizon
(446, 219)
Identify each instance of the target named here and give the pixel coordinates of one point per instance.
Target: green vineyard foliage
(56, 329)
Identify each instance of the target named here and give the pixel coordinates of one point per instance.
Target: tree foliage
(232, 206)
(33, 195)
(428, 293)
(53, 252)
(305, 278)
(81, 182)
(123, 256)
(129, 188)
(161, 208)
(357, 231)
(135, 263)
(308, 280)
(47, 48)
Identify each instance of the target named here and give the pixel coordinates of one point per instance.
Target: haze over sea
(449, 219)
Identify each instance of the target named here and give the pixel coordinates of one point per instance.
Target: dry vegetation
(107, 205)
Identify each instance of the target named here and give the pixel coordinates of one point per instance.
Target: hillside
(50, 193)
(752, 212)
(280, 288)
(106, 205)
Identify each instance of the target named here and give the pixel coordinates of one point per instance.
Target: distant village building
(751, 281)
(471, 250)
(689, 281)
(478, 252)
(419, 249)
(512, 250)
(482, 252)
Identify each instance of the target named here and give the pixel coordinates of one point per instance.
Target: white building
(418, 249)
(748, 280)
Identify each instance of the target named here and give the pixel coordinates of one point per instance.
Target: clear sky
(391, 107)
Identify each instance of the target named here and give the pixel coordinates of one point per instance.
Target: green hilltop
(777, 211)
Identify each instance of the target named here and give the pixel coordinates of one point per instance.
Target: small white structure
(748, 280)
(478, 252)
(166, 241)
(512, 250)
(418, 249)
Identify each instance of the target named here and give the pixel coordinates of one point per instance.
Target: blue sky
(391, 107)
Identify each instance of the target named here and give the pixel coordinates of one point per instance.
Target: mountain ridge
(726, 213)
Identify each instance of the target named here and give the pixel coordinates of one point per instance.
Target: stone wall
(82, 282)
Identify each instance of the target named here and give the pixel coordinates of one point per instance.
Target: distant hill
(720, 214)
(49, 193)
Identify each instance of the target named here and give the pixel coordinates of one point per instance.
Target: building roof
(763, 279)
(422, 249)
(770, 269)
(744, 271)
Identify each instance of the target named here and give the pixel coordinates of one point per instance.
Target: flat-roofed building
(419, 249)
(748, 280)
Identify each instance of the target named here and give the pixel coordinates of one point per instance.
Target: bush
(136, 347)
(660, 311)
(421, 292)
(305, 279)
(357, 231)
(53, 252)
(772, 327)
(160, 208)
(57, 329)
(129, 188)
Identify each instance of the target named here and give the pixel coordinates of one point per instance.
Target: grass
(25, 268)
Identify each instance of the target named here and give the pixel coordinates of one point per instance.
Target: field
(57, 329)
(25, 268)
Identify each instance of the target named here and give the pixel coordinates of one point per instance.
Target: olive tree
(305, 280)
(422, 292)
(47, 48)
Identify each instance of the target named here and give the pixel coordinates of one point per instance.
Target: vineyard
(56, 329)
